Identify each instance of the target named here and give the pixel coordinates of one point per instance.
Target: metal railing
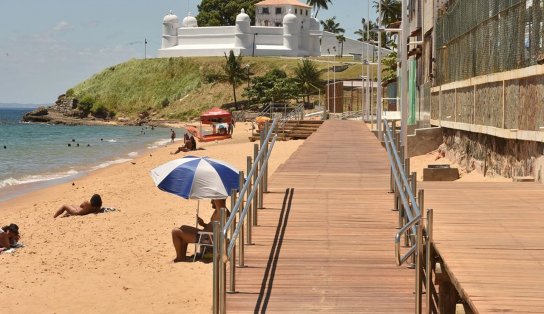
(416, 230)
(229, 233)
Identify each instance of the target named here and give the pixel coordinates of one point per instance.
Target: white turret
(170, 25)
(291, 29)
(242, 36)
(315, 46)
(189, 21)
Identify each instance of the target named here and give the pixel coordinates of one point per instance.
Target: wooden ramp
(491, 238)
(325, 241)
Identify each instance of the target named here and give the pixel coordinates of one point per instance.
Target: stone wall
(493, 155)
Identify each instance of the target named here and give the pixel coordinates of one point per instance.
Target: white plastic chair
(205, 240)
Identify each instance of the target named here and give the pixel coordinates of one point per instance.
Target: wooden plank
(334, 250)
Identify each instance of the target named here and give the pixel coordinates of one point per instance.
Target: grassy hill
(176, 88)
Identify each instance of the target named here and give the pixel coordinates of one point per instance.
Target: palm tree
(391, 10)
(330, 25)
(308, 76)
(362, 32)
(318, 4)
(341, 39)
(234, 72)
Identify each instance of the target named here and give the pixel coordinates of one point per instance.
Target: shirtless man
(184, 235)
(9, 236)
(87, 207)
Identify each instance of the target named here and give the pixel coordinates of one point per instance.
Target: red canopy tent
(215, 115)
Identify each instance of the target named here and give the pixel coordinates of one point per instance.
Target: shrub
(86, 104)
(70, 92)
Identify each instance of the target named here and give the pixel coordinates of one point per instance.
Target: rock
(41, 111)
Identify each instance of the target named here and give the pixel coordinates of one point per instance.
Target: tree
(318, 4)
(308, 76)
(274, 86)
(223, 13)
(341, 39)
(362, 32)
(330, 25)
(391, 11)
(234, 73)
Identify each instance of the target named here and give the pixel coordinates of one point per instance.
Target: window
(265, 23)
(265, 11)
(296, 11)
(306, 12)
(278, 24)
(278, 10)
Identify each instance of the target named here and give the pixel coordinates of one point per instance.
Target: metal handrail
(249, 175)
(239, 226)
(392, 153)
(401, 259)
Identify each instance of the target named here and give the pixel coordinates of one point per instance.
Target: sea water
(36, 155)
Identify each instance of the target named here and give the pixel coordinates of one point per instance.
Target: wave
(37, 178)
(111, 141)
(159, 143)
(133, 154)
(109, 163)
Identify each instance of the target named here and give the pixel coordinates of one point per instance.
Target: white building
(284, 28)
(298, 36)
(271, 12)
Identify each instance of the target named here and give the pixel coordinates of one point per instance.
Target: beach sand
(417, 163)
(117, 262)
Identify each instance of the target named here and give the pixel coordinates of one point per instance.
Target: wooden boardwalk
(491, 238)
(324, 242)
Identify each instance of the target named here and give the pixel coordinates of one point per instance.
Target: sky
(47, 47)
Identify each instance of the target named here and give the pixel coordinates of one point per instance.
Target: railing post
(222, 263)
(255, 184)
(249, 219)
(216, 266)
(261, 166)
(265, 181)
(429, 261)
(419, 269)
(414, 184)
(241, 235)
(232, 259)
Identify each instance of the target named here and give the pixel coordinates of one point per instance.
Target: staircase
(293, 130)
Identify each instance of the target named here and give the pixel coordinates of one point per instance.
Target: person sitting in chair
(184, 235)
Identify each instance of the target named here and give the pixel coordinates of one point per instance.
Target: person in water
(87, 207)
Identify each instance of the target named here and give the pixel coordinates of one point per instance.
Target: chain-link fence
(478, 37)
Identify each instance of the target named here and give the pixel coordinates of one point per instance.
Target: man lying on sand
(184, 235)
(87, 207)
(9, 236)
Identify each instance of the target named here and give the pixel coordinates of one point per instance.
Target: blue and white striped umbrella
(196, 178)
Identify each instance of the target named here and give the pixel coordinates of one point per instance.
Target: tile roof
(283, 2)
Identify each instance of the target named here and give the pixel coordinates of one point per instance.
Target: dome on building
(170, 18)
(314, 24)
(289, 18)
(189, 21)
(243, 17)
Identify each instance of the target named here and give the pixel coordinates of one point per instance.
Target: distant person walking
(172, 135)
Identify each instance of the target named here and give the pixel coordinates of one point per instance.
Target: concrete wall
(424, 141)
(328, 41)
(507, 104)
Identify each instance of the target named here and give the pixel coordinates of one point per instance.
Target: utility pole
(403, 46)
(379, 86)
(145, 48)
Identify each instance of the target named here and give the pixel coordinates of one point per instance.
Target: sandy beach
(117, 262)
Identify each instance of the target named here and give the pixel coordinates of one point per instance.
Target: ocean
(33, 156)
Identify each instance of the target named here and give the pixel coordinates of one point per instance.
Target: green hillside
(175, 88)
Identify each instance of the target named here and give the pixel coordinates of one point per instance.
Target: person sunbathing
(184, 235)
(9, 236)
(87, 207)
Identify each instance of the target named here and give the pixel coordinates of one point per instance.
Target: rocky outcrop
(65, 111)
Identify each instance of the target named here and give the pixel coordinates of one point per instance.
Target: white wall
(328, 41)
